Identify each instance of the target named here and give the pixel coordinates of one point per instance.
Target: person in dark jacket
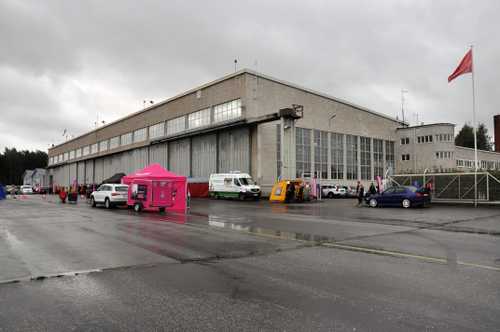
(372, 190)
(361, 194)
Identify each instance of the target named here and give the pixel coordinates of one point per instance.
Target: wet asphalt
(230, 265)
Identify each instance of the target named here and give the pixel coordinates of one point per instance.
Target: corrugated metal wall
(72, 173)
(89, 171)
(158, 153)
(204, 156)
(107, 167)
(98, 170)
(234, 150)
(234, 155)
(140, 159)
(62, 176)
(81, 172)
(116, 164)
(179, 157)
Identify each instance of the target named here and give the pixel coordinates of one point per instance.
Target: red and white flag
(464, 67)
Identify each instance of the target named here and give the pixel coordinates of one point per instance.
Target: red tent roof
(151, 172)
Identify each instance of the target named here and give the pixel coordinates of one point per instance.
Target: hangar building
(232, 124)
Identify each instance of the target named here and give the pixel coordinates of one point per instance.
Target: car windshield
(246, 181)
(121, 188)
(411, 188)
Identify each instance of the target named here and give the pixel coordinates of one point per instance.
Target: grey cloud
(362, 51)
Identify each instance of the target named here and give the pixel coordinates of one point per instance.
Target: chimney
(496, 124)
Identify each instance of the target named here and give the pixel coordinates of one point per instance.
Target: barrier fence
(454, 187)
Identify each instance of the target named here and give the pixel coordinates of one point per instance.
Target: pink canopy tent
(155, 172)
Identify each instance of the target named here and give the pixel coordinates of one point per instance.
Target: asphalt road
(232, 265)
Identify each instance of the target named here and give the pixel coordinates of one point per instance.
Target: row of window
(429, 138)
(444, 137)
(483, 164)
(222, 112)
(338, 143)
(424, 139)
(444, 155)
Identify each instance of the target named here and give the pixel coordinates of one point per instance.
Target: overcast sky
(64, 62)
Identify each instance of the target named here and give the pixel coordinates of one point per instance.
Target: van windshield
(246, 181)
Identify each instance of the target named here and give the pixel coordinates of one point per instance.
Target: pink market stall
(156, 189)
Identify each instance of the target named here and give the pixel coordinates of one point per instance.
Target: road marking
(406, 255)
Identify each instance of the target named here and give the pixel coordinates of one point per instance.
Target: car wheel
(92, 201)
(330, 195)
(162, 210)
(137, 207)
(373, 202)
(241, 197)
(406, 203)
(107, 203)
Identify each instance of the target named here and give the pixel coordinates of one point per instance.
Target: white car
(110, 195)
(26, 190)
(334, 191)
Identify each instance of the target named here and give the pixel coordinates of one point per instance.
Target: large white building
(233, 124)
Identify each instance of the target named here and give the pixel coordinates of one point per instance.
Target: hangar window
(140, 135)
(378, 157)
(176, 125)
(365, 149)
(227, 111)
(337, 156)
(352, 157)
(72, 154)
(126, 139)
(78, 153)
(321, 154)
(66, 156)
(157, 130)
(103, 145)
(199, 119)
(114, 142)
(389, 155)
(86, 150)
(93, 148)
(303, 151)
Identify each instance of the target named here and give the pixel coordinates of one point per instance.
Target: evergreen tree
(13, 163)
(466, 137)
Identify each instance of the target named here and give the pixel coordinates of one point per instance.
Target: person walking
(361, 194)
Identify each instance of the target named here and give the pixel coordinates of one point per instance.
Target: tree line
(465, 137)
(13, 163)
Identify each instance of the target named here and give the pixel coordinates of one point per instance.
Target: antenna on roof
(403, 91)
(235, 63)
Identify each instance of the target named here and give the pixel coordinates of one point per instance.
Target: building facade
(432, 147)
(231, 124)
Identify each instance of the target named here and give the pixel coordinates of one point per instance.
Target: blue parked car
(405, 196)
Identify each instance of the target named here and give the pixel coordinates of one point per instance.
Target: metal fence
(455, 187)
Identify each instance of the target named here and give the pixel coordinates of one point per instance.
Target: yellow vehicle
(278, 193)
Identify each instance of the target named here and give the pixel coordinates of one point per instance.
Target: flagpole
(474, 127)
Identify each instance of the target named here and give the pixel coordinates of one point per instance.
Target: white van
(233, 185)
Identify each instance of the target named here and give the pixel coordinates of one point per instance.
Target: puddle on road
(237, 223)
(221, 222)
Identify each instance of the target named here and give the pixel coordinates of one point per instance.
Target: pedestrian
(361, 194)
(372, 190)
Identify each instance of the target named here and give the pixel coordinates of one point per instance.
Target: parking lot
(248, 265)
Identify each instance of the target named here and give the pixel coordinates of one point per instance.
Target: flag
(465, 66)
